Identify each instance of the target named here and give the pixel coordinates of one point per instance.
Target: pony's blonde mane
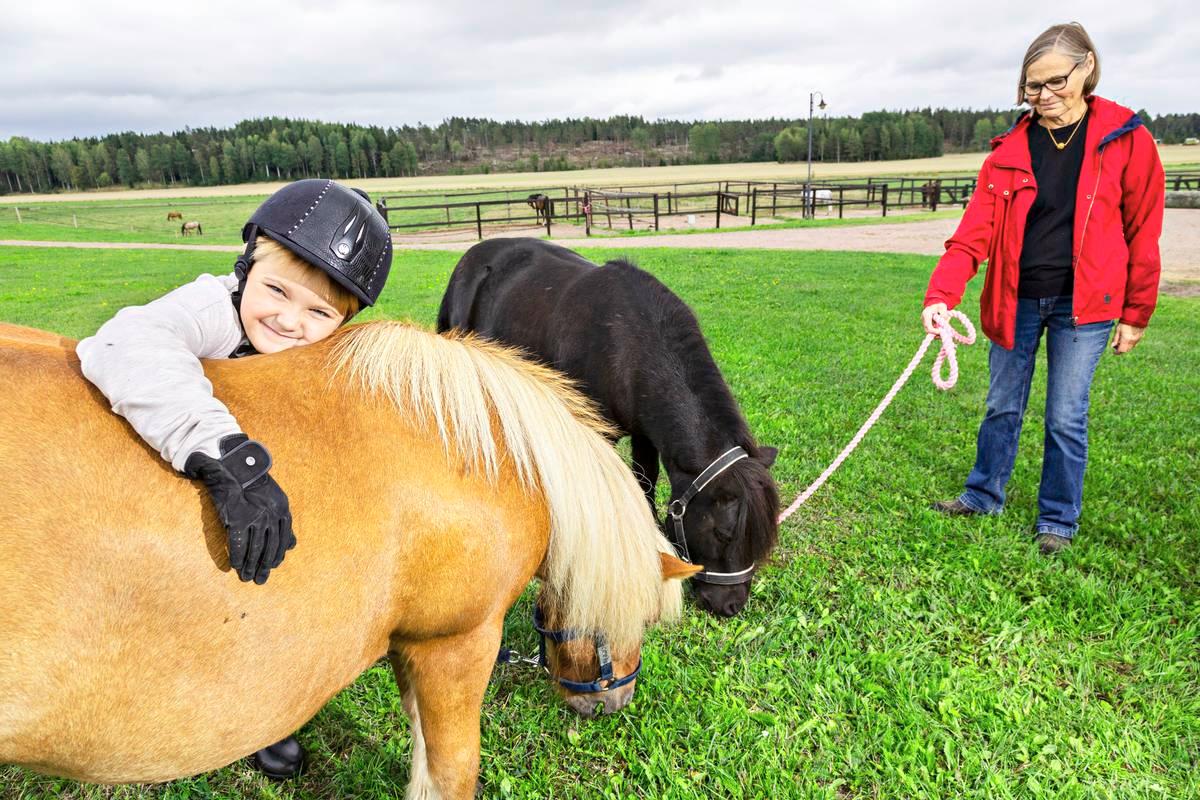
(602, 565)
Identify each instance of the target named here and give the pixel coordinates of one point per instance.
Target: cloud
(75, 68)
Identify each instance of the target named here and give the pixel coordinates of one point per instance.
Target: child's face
(278, 313)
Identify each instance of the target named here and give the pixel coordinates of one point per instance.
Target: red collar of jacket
(1108, 121)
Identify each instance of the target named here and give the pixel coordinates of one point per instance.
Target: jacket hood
(1113, 119)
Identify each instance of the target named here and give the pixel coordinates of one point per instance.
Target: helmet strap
(241, 267)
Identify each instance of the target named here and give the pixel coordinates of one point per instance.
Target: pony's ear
(766, 455)
(675, 569)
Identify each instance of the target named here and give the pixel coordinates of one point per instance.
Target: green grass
(145, 221)
(222, 218)
(886, 652)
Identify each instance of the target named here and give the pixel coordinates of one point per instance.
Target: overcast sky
(87, 68)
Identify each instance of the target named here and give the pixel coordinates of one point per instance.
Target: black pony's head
(732, 524)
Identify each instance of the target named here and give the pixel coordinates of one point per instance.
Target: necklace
(1063, 145)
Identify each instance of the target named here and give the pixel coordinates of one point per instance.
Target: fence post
(478, 221)
(718, 210)
(18, 210)
(656, 211)
(841, 201)
(587, 213)
(754, 205)
(883, 198)
(549, 213)
(774, 197)
(382, 208)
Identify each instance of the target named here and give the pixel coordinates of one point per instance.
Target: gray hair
(1071, 40)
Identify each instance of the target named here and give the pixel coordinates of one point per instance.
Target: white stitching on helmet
(316, 203)
(386, 248)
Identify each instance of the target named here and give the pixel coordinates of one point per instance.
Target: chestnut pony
(430, 478)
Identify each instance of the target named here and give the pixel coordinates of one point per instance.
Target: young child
(316, 252)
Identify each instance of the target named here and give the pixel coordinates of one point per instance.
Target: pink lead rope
(949, 336)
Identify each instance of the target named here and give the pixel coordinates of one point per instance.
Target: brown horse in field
(174, 215)
(540, 203)
(190, 227)
(430, 478)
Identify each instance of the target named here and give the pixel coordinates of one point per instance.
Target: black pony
(637, 351)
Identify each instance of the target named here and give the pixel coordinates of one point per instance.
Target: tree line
(276, 148)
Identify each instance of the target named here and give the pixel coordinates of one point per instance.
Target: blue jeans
(1072, 353)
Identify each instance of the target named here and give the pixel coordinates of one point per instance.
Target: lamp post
(809, 206)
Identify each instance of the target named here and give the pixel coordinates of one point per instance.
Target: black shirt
(1046, 256)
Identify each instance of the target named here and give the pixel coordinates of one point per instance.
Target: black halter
(678, 508)
(606, 682)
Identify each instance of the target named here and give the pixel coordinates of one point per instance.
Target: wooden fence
(483, 209)
(1183, 180)
(647, 204)
(653, 206)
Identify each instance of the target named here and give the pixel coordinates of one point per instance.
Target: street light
(809, 205)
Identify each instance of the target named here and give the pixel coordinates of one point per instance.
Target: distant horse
(820, 197)
(637, 350)
(540, 203)
(174, 215)
(430, 478)
(190, 227)
(930, 191)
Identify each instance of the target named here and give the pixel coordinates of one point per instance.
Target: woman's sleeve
(1143, 197)
(146, 361)
(966, 249)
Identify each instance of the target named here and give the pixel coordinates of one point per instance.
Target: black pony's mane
(680, 335)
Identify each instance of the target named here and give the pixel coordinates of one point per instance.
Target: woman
(1067, 212)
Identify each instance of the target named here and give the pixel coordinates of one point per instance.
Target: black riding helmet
(332, 227)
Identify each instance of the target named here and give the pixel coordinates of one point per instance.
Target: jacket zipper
(1083, 233)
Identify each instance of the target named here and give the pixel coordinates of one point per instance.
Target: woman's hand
(931, 311)
(1127, 337)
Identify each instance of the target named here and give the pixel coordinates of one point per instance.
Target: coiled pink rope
(946, 354)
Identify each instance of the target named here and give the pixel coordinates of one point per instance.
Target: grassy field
(886, 652)
(1179, 156)
(145, 221)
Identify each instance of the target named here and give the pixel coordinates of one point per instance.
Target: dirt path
(1180, 243)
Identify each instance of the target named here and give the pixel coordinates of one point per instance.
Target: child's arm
(146, 361)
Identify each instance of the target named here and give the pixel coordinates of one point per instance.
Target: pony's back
(126, 636)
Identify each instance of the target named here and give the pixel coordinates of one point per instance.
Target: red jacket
(1118, 220)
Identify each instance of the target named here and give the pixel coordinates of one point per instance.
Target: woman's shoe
(954, 508)
(281, 760)
(1051, 543)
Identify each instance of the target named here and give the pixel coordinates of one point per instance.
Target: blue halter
(606, 682)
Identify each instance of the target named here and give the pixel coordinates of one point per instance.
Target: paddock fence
(481, 210)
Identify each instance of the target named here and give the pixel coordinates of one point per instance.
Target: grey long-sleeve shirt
(146, 361)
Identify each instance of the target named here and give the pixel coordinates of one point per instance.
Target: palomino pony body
(636, 349)
(429, 480)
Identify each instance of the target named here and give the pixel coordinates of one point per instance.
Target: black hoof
(281, 760)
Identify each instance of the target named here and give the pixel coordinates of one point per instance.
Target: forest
(275, 148)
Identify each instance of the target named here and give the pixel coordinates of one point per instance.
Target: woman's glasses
(1033, 89)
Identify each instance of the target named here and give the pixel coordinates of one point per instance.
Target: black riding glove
(249, 502)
